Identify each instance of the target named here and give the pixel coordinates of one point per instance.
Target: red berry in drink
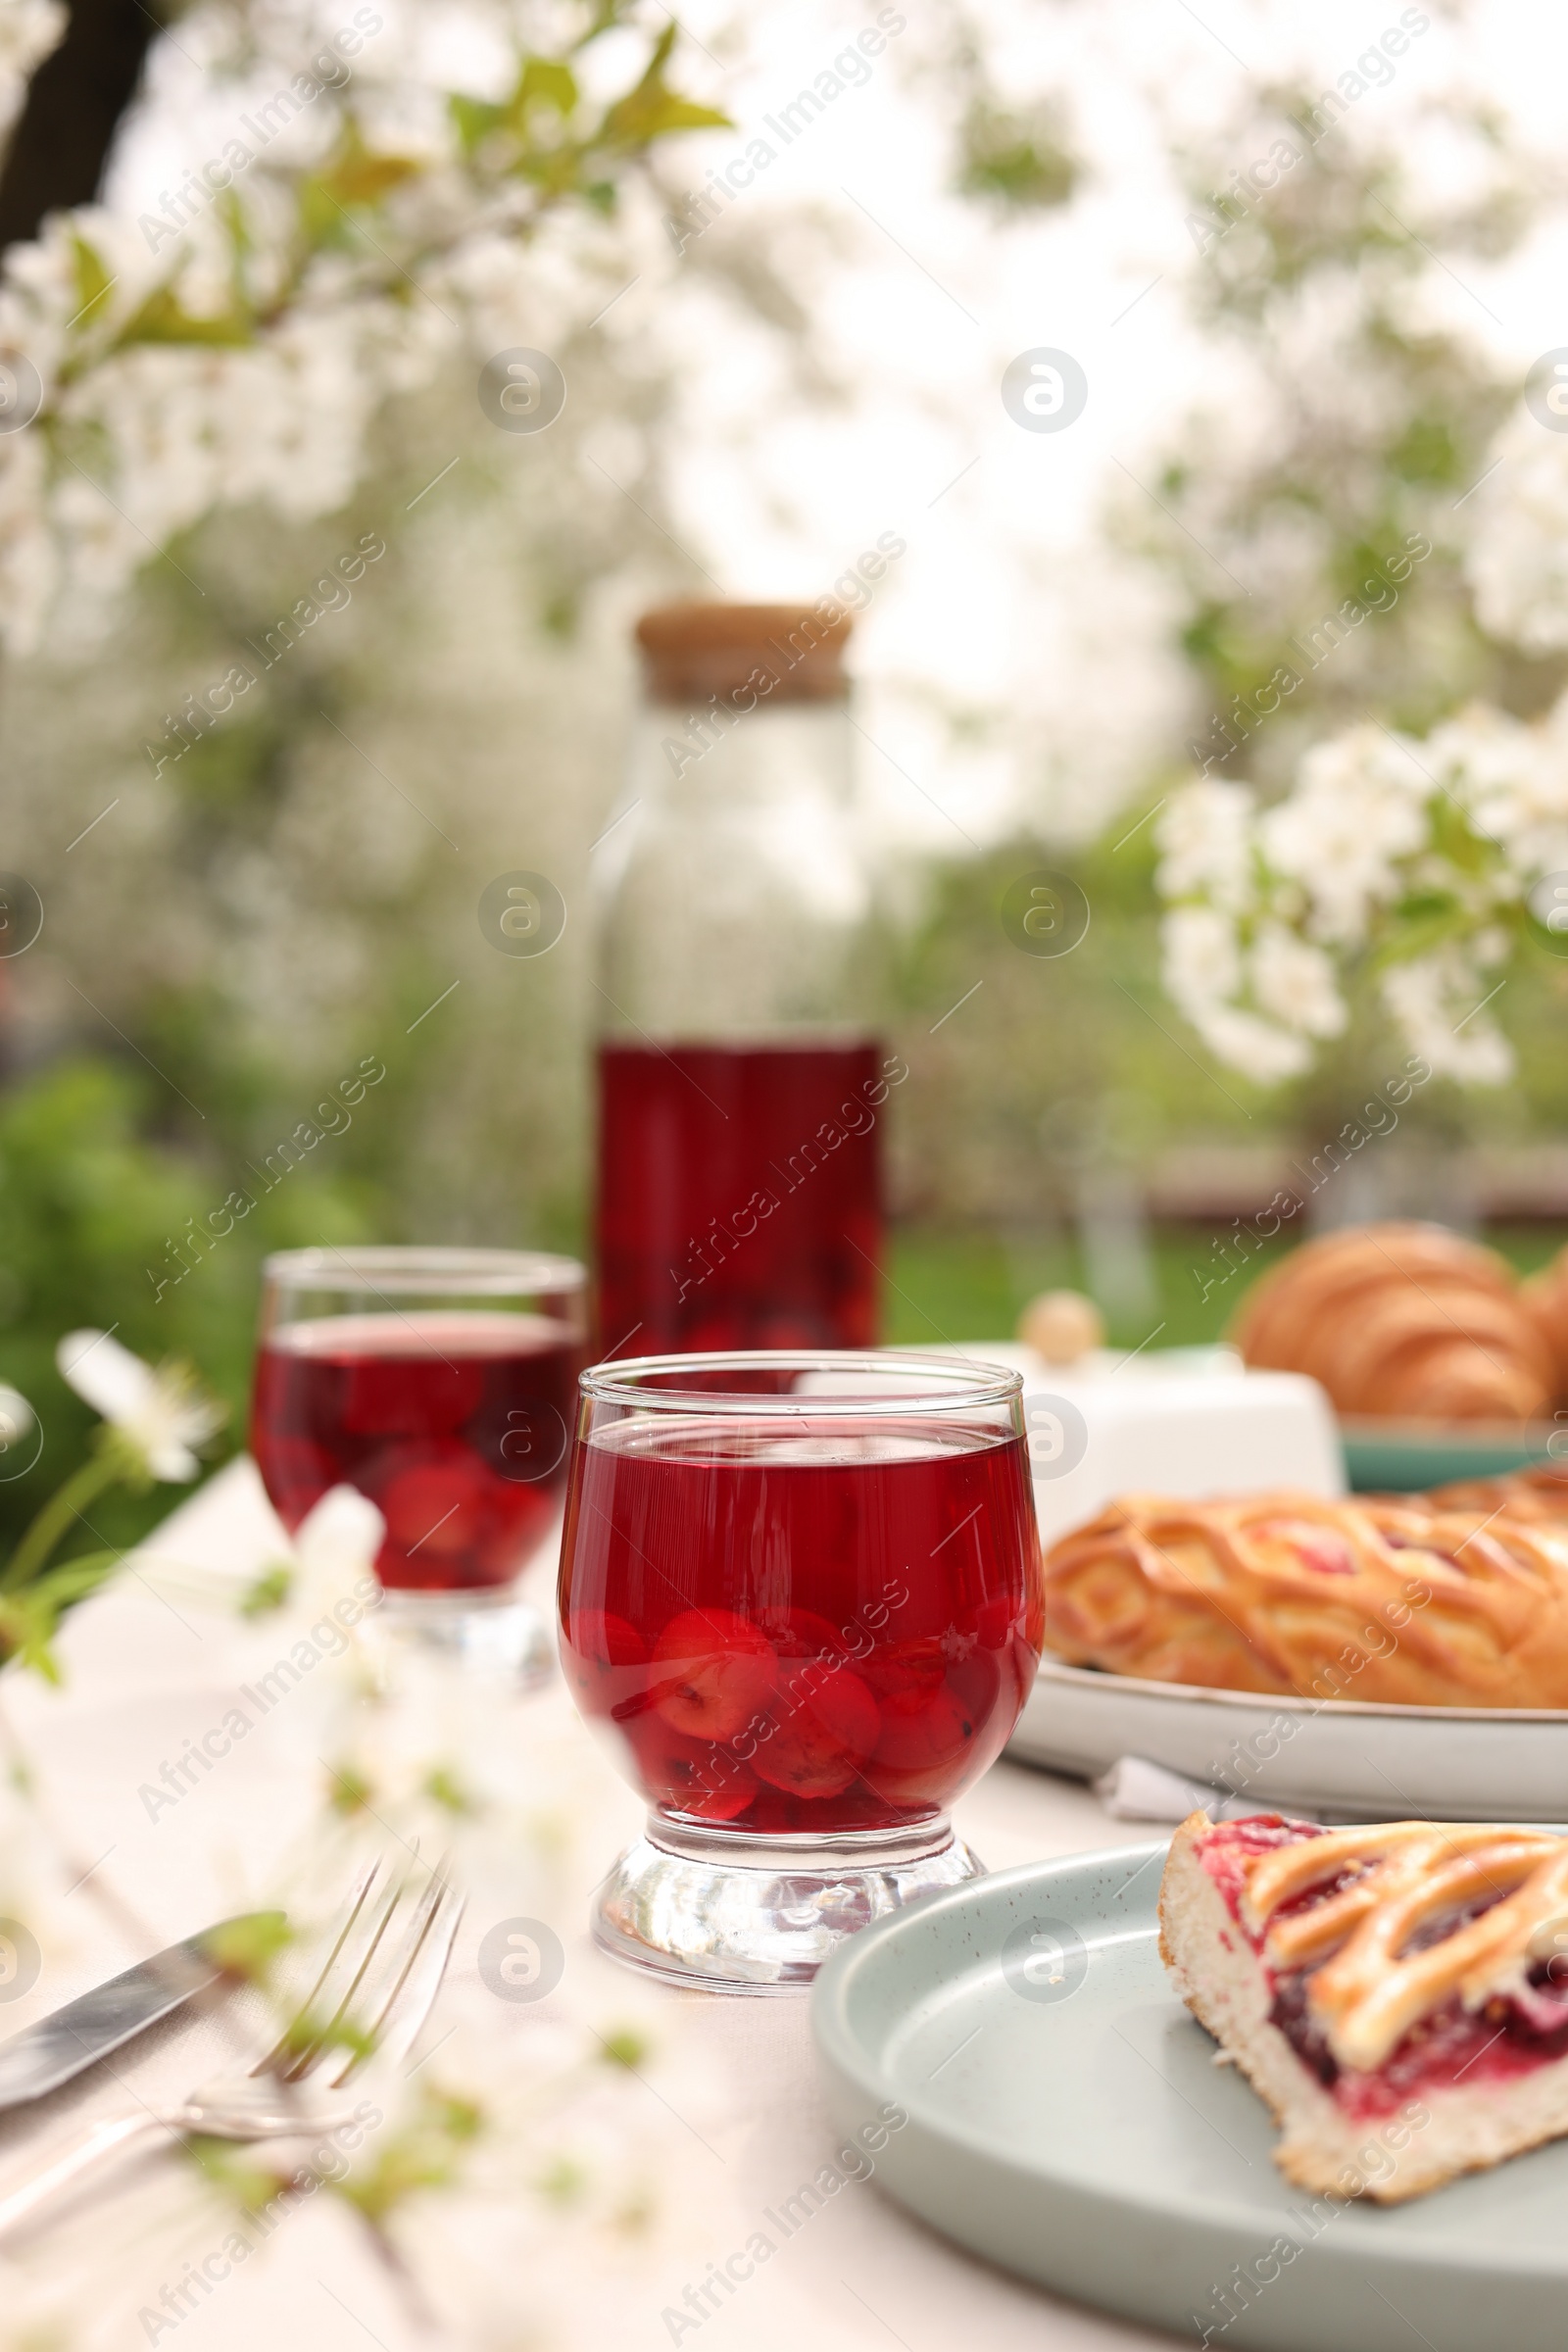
(432, 1500)
(450, 1420)
(602, 1638)
(904, 1675)
(911, 1740)
(833, 1668)
(378, 1397)
(825, 1721)
(597, 1647)
(803, 1634)
(693, 1777)
(713, 1671)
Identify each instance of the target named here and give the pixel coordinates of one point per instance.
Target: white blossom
(145, 431)
(1518, 786)
(17, 1417)
(161, 1414)
(1358, 808)
(1437, 1001)
(1268, 904)
(1205, 837)
(1259, 1048)
(1296, 983)
(1202, 963)
(29, 31)
(334, 1549)
(1517, 560)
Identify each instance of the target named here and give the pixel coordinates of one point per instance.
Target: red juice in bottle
(455, 1422)
(739, 1195)
(789, 1633)
(740, 982)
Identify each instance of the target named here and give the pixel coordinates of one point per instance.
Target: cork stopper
(692, 653)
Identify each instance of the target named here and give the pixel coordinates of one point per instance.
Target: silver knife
(42, 2057)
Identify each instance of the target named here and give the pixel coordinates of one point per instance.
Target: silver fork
(385, 1963)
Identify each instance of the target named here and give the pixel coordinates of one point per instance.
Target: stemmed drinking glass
(799, 1595)
(441, 1383)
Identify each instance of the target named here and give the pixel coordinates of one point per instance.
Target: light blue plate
(1066, 2120)
(1402, 1456)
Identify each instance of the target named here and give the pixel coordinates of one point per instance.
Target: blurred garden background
(1310, 270)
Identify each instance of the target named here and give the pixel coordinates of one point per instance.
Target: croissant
(1401, 1320)
(1283, 1593)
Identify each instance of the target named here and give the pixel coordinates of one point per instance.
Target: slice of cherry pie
(1407, 1983)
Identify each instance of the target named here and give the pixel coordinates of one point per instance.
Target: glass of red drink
(441, 1383)
(800, 1597)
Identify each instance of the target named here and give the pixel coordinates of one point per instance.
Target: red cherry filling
(1321, 1548)
(713, 1671)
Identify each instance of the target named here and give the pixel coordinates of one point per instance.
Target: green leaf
(475, 119)
(161, 319)
(1455, 838)
(546, 82)
(14, 1643)
(308, 2033)
(1021, 161)
(648, 115)
(444, 1787)
(1422, 925)
(246, 2182)
(563, 2182)
(624, 2048)
(247, 1947)
(354, 177)
(268, 1592)
(425, 2154)
(653, 110)
(60, 1589)
(93, 279)
(606, 17)
(350, 1790)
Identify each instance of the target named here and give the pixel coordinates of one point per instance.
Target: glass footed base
(493, 1629)
(731, 1913)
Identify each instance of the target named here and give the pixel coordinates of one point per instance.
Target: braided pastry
(1539, 1493)
(1399, 1994)
(1401, 1320)
(1383, 1601)
(1544, 1300)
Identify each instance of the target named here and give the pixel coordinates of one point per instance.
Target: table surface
(739, 2121)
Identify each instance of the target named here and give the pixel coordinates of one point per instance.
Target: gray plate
(1345, 1759)
(1078, 2131)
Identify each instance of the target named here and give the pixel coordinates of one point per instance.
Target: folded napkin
(1137, 1789)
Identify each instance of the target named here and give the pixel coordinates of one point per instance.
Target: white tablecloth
(148, 1670)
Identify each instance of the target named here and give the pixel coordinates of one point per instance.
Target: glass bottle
(741, 1083)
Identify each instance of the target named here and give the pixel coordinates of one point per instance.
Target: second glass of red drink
(442, 1384)
(801, 1598)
